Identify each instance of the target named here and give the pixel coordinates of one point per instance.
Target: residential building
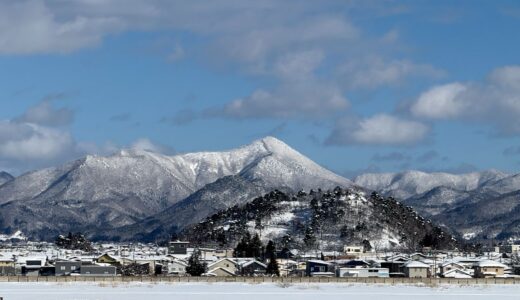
(227, 264)
(178, 247)
(489, 269)
(252, 268)
(416, 269)
(96, 270)
(318, 267)
(65, 268)
(353, 250)
(177, 268)
(363, 272)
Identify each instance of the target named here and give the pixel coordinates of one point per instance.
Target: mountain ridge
(131, 185)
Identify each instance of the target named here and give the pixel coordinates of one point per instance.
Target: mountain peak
(274, 145)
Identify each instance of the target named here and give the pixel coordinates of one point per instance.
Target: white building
(363, 272)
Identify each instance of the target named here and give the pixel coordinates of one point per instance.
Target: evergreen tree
(256, 247)
(366, 246)
(243, 247)
(310, 238)
(270, 249)
(272, 266)
(195, 266)
(75, 241)
(221, 238)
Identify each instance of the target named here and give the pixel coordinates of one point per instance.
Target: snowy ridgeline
(323, 220)
(232, 291)
(97, 194)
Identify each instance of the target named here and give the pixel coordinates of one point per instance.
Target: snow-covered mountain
(411, 183)
(5, 177)
(124, 188)
(476, 205)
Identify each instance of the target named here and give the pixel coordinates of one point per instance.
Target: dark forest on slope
(324, 220)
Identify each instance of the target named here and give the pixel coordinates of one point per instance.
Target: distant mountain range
(478, 205)
(144, 195)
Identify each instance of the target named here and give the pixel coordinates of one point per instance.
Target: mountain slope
(324, 220)
(119, 190)
(5, 177)
(223, 193)
(479, 205)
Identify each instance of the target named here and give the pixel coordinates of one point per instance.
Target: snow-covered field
(231, 291)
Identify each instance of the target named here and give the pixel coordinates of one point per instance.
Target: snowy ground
(232, 291)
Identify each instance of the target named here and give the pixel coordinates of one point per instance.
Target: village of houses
(45, 259)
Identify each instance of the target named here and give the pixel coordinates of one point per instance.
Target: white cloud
(494, 101)
(43, 113)
(373, 72)
(380, 129)
(145, 144)
(310, 99)
(38, 138)
(298, 66)
(441, 102)
(28, 27)
(24, 141)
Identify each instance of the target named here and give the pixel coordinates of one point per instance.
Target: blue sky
(361, 86)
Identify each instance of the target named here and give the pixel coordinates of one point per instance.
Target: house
(418, 256)
(449, 266)
(177, 268)
(363, 272)
(355, 263)
(7, 266)
(252, 268)
(109, 259)
(318, 266)
(96, 270)
(395, 265)
(178, 247)
(65, 267)
(223, 253)
(489, 269)
(227, 264)
(416, 269)
(287, 267)
(353, 250)
(32, 266)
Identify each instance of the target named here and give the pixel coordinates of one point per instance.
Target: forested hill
(324, 220)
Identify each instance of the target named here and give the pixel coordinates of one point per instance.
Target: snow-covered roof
(416, 264)
(489, 264)
(316, 261)
(247, 263)
(447, 263)
(222, 259)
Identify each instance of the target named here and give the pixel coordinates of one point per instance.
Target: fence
(281, 280)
